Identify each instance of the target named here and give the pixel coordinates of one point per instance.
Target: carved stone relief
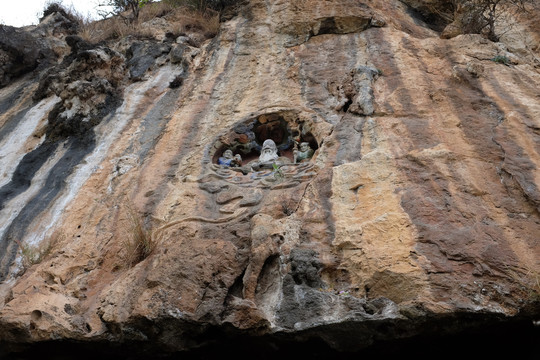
(271, 150)
(250, 172)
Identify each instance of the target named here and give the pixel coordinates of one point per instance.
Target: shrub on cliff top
(57, 7)
(203, 5)
(71, 18)
(121, 6)
(133, 7)
(481, 16)
(472, 16)
(179, 20)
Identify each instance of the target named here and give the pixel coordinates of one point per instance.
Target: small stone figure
(304, 153)
(229, 160)
(269, 151)
(268, 156)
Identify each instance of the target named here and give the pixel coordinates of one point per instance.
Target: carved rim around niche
(288, 128)
(246, 137)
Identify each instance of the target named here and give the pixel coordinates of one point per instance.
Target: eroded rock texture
(418, 214)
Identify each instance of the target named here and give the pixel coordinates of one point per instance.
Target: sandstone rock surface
(418, 212)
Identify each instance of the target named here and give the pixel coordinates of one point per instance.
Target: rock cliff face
(417, 215)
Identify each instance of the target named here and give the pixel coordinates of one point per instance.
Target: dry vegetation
(484, 17)
(169, 18)
(139, 243)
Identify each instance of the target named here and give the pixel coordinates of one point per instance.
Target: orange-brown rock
(417, 215)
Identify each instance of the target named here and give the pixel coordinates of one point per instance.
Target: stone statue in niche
(304, 153)
(269, 156)
(273, 149)
(230, 160)
(268, 151)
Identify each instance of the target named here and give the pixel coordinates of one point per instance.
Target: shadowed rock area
(320, 178)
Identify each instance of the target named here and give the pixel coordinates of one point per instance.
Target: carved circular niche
(286, 128)
(273, 149)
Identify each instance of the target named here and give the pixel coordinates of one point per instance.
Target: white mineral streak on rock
(12, 148)
(107, 133)
(14, 206)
